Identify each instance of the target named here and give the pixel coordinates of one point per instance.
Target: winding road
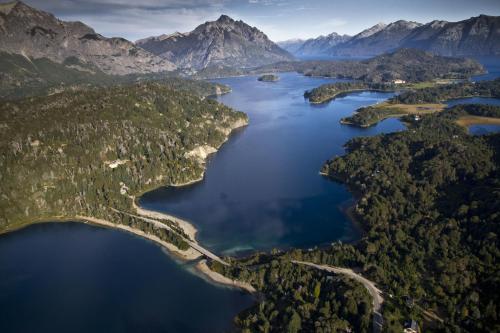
(376, 293)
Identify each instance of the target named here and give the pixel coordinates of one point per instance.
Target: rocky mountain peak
(225, 19)
(370, 31)
(402, 24)
(222, 42)
(38, 34)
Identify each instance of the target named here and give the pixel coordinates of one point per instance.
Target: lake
(73, 277)
(263, 189)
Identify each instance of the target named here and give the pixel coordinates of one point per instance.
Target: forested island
(421, 101)
(268, 78)
(428, 201)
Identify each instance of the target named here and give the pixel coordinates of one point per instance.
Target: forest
(84, 152)
(428, 200)
(327, 92)
(440, 93)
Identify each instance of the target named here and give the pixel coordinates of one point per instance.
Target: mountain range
(222, 42)
(321, 45)
(72, 48)
(476, 36)
(37, 34)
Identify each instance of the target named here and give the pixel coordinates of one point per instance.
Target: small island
(268, 78)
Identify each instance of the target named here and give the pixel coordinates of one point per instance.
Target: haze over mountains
(320, 45)
(31, 34)
(476, 36)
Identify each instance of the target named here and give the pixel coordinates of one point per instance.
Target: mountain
(376, 40)
(321, 45)
(223, 42)
(475, 36)
(291, 45)
(37, 34)
(472, 37)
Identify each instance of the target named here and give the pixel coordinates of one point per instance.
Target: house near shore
(411, 327)
(398, 81)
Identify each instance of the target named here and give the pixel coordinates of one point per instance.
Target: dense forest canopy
(78, 152)
(329, 91)
(440, 93)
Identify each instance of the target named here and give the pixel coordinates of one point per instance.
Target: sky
(279, 19)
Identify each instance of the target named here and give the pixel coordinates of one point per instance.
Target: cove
(73, 277)
(263, 189)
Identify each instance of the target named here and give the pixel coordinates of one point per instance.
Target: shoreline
(202, 267)
(186, 226)
(344, 94)
(189, 254)
(189, 229)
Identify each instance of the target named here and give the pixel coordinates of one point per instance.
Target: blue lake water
(492, 65)
(72, 277)
(263, 188)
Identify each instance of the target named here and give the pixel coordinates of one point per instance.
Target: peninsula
(418, 102)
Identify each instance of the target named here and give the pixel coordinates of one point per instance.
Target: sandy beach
(219, 278)
(189, 254)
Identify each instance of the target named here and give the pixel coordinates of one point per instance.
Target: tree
(295, 323)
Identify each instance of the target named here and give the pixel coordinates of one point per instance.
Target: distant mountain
(475, 36)
(321, 45)
(291, 45)
(223, 42)
(376, 40)
(36, 34)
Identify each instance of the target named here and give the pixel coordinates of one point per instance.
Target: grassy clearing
(370, 115)
(467, 121)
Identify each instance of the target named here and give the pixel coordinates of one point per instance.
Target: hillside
(472, 37)
(79, 153)
(475, 36)
(224, 42)
(36, 34)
